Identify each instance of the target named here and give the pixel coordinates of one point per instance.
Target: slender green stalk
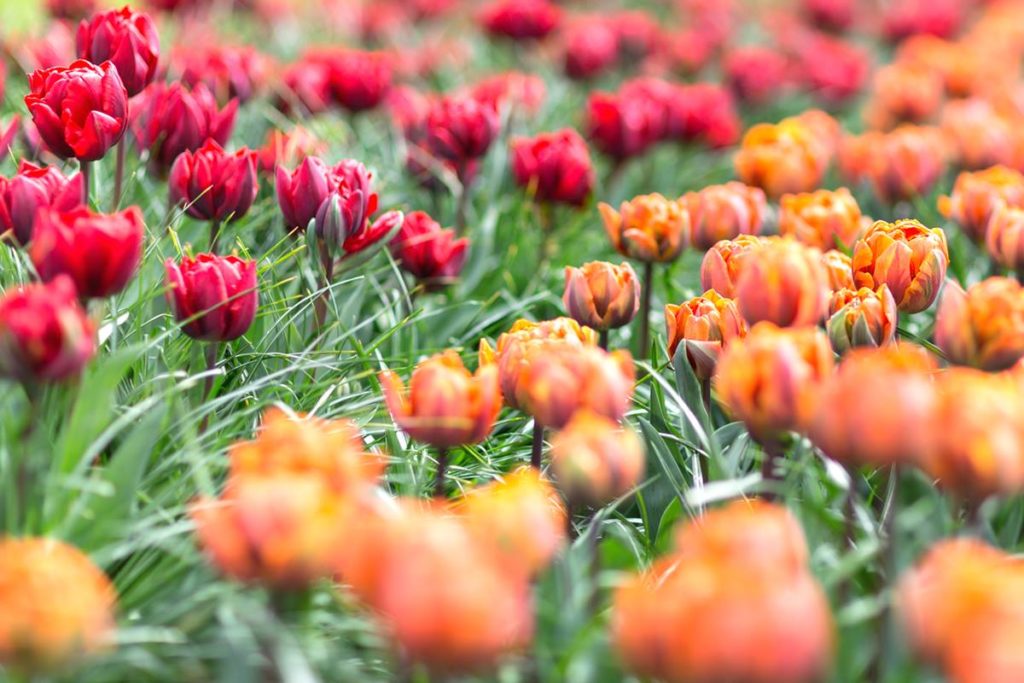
(442, 469)
(537, 453)
(644, 344)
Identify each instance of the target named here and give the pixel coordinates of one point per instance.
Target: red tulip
(81, 111)
(360, 80)
(555, 166)
(126, 38)
(905, 18)
(44, 333)
(229, 71)
(213, 184)
(301, 192)
(430, 253)
(830, 15)
(99, 252)
(460, 130)
(521, 19)
(170, 119)
(306, 84)
(591, 48)
(56, 47)
(621, 127)
(831, 68)
(756, 74)
(31, 189)
(215, 297)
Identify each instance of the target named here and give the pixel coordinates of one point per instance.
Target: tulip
(520, 20)
(55, 47)
(460, 130)
(705, 325)
(431, 254)
(780, 158)
(977, 196)
(857, 153)
(904, 93)
(1003, 239)
(99, 252)
(596, 460)
(554, 167)
(782, 282)
(601, 295)
(863, 317)
(513, 90)
(911, 159)
(214, 298)
(909, 17)
(833, 69)
(721, 266)
(756, 74)
(591, 48)
(45, 336)
(978, 134)
(360, 80)
(724, 212)
(829, 15)
(128, 39)
(907, 257)
(58, 606)
(288, 148)
(769, 379)
(621, 127)
(704, 113)
(306, 86)
(171, 119)
(81, 110)
(229, 71)
(343, 220)
(34, 188)
(822, 219)
(984, 326)
(838, 269)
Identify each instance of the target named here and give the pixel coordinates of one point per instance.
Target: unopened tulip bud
(601, 295)
(838, 269)
(724, 212)
(214, 297)
(783, 282)
(214, 185)
(780, 158)
(720, 269)
(977, 196)
(705, 324)
(128, 39)
(822, 219)
(555, 166)
(907, 257)
(596, 460)
(863, 317)
(984, 326)
(1004, 239)
(33, 188)
(648, 228)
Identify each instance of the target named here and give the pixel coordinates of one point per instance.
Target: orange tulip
(857, 153)
(877, 408)
(907, 163)
(57, 606)
(446, 404)
(596, 460)
(720, 268)
(976, 196)
(559, 380)
(769, 379)
(1004, 239)
(783, 282)
(838, 269)
(706, 323)
(977, 134)
(724, 212)
(822, 219)
(780, 158)
(601, 295)
(989, 651)
(648, 228)
(984, 326)
(862, 317)
(903, 93)
(907, 257)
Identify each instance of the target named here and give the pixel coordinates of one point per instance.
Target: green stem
(442, 469)
(644, 345)
(538, 445)
(212, 351)
(214, 236)
(119, 174)
(602, 339)
(327, 267)
(85, 168)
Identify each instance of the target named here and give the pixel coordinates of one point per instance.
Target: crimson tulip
(99, 252)
(591, 48)
(229, 71)
(31, 189)
(214, 185)
(621, 127)
(301, 192)
(556, 166)
(521, 19)
(460, 130)
(306, 85)
(126, 38)
(81, 110)
(427, 251)
(360, 80)
(214, 297)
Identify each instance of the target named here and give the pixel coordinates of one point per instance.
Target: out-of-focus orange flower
(1004, 238)
(519, 518)
(907, 163)
(984, 326)
(770, 378)
(838, 269)
(907, 257)
(863, 317)
(601, 295)
(989, 651)
(648, 228)
(559, 380)
(903, 93)
(446, 405)
(724, 212)
(963, 67)
(596, 460)
(780, 158)
(822, 219)
(978, 135)
(857, 154)
(512, 349)
(706, 323)
(876, 409)
(720, 268)
(825, 130)
(978, 442)
(783, 282)
(58, 607)
(977, 195)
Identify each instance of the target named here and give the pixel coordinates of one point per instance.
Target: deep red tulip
(343, 219)
(555, 166)
(904, 18)
(756, 74)
(33, 188)
(832, 69)
(44, 333)
(460, 130)
(621, 127)
(170, 119)
(830, 15)
(54, 48)
(591, 48)
(360, 80)
(428, 251)
(99, 252)
(301, 192)
(306, 85)
(81, 111)
(703, 112)
(639, 33)
(214, 185)
(214, 297)
(520, 19)
(126, 38)
(229, 71)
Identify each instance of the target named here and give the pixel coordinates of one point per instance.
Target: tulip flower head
(429, 252)
(359, 80)
(780, 158)
(756, 74)
(521, 20)
(515, 91)
(903, 92)
(622, 127)
(724, 212)
(782, 281)
(984, 326)
(649, 228)
(838, 269)
(591, 48)
(822, 219)
(128, 39)
(596, 460)
(33, 188)
(213, 297)
(906, 256)
(977, 196)
(1004, 239)
(555, 167)
(229, 71)
(863, 317)
(705, 324)
(907, 163)
(601, 295)
(214, 185)
(720, 269)
(459, 131)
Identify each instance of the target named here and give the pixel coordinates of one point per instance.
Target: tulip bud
(58, 606)
(430, 253)
(648, 228)
(822, 219)
(229, 71)
(908, 257)
(984, 326)
(724, 212)
(214, 185)
(99, 252)
(33, 188)
(171, 119)
(706, 324)
(862, 318)
(601, 295)
(128, 39)
(977, 196)
(520, 20)
(907, 163)
(783, 282)
(780, 158)
(460, 130)
(720, 268)
(621, 127)
(80, 111)
(591, 48)
(360, 80)
(1004, 238)
(214, 298)
(756, 75)
(596, 460)
(904, 92)
(770, 378)
(555, 167)
(838, 269)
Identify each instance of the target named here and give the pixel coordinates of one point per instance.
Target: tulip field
(512, 340)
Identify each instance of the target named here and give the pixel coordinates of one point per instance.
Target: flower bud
(596, 460)
(360, 80)
(430, 253)
(780, 158)
(229, 71)
(724, 212)
(706, 324)
(621, 127)
(907, 257)
(648, 228)
(520, 20)
(33, 188)
(822, 219)
(213, 297)
(168, 119)
(984, 326)
(907, 162)
(1004, 238)
(128, 39)
(460, 130)
(770, 378)
(838, 269)
(601, 295)
(214, 185)
(555, 167)
(862, 317)
(783, 282)
(720, 268)
(977, 196)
